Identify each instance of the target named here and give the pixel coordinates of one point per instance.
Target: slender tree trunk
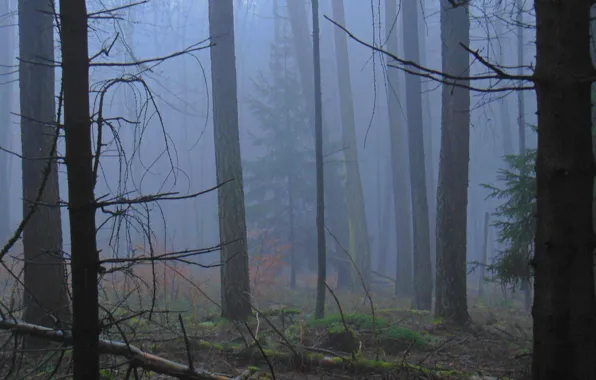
(564, 302)
(235, 280)
(399, 165)
(336, 205)
(291, 208)
(42, 237)
(6, 61)
(431, 188)
(384, 230)
(81, 207)
(423, 280)
(521, 122)
(484, 257)
(322, 256)
(356, 208)
(503, 101)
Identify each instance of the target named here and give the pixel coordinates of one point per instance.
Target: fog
(169, 145)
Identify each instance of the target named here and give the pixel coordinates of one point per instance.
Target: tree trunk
(423, 281)
(431, 188)
(564, 304)
(484, 257)
(399, 165)
(6, 61)
(503, 101)
(81, 206)
(521, 122)
(235, 280)
(322, 256)
(356, 208)
(452, 195)
(42, 237)
(291, 208)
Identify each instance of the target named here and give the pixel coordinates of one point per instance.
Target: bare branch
(415, 68)
(137, 357)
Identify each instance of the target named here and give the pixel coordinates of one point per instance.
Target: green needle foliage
(515, 219)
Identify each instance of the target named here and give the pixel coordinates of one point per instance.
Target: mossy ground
(398, 343)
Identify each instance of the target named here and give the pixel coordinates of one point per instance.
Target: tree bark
(235, 280)
(452, 195)
(42, 236)
(521, 121)
(399, 165)
(356, 208)
(322, 255)
(423, 280)
(81, 206)
(6, 61)
(564, 304)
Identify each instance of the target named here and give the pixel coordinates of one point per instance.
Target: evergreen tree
(515, 219)
(280, 183)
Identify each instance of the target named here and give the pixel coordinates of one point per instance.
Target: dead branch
(135, 355)
(414, 68)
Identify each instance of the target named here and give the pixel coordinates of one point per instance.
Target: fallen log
(135, 355)
(310, 357)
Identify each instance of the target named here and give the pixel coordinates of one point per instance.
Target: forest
(297, 189)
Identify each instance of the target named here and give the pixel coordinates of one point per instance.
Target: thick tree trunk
(399, 165)
(235, 280)
(564, 306)
(42, 237)
(321, 246)
(81, 207)
(423, 280)
(356, 208)
(452, 195)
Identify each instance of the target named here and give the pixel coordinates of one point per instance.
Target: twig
(341, 313)
(261, 349)
(372, 306)
(137, 357)
(186, 342)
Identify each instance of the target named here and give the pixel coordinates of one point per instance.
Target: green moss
(406, 336)
(357, 321)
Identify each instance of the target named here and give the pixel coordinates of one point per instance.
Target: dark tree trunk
(452, 195)
(321, 246)
(423, 280)
(42, 237)
(81, 207)
(399, 165)
(235, 280)
(564, 306)
(6, 61)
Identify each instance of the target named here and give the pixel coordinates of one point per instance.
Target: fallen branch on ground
(137, 357)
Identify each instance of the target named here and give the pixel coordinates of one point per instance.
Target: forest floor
(397, 343)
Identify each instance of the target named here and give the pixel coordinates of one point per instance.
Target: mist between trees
(235, 189)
